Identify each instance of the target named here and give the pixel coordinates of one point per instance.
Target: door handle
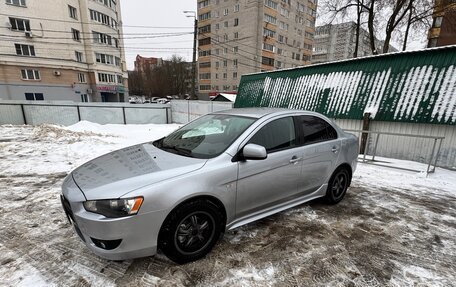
(334, 149)
(295, 159)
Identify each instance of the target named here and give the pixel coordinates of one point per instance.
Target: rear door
(320, 151)
(263, 183)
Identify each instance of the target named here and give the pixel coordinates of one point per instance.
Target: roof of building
(413, 86)
(225, 97)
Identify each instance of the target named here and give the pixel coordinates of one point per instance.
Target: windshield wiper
(179, 150)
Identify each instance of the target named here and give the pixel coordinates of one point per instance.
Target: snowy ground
(394, 228)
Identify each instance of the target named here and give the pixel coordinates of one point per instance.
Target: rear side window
(315, 130)
(277, 135)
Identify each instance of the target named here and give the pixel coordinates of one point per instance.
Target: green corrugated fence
(418, 86)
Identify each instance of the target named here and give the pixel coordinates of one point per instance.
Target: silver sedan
(223, 170)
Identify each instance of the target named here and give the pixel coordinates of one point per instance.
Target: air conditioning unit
(28, 34)
(57, 73)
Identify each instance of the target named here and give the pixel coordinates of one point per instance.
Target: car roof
(262, 112)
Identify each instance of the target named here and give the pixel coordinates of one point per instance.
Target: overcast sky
(150, 42)
(152, 13)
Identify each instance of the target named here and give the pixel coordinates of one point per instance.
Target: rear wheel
(190, 231)
(337, 186)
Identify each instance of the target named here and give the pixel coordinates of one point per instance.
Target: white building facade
(70, 50)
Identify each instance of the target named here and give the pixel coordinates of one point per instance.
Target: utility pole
(195, 36)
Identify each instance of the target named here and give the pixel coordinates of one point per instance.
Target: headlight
(114, 208)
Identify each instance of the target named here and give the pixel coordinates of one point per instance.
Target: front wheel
(190, 231)
(337, 186)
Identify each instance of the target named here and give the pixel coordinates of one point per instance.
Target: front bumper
(137, 234)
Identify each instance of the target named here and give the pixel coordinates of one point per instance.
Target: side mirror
(254, 152)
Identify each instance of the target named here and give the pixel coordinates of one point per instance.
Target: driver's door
(263, 183)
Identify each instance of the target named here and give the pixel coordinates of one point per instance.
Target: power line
(91, 38)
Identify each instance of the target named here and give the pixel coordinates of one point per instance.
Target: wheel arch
(348, 168)
(212, 199)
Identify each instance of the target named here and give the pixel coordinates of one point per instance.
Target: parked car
(162, 101)
(221, 171)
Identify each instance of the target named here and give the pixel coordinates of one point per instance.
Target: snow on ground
(394, 228)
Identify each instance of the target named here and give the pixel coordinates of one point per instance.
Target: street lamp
(195, 31)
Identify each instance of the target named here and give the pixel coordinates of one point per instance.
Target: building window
(437, 22)
(432, 42)
(225, 24)
(217, 64)
(268, 47)
(81, 78)
(24, 50)
(78, 56)
(284, 26)
(268, 33)
(279, 64)
(236, 35)
(108, 3)
(76, 34)
(270, 4)
(73, 12)
(225, 75)
(225, 37)
(217, 26)
(99, 17)
(235, 62)
(19, 24)
(104, 59)
(267, 61)
(203, 4)
(203, 53)
(205, 76)
(225, 63)
(225, 12)
(225, 51)
(30, 74)
(16, 2)
(236, 21)
(226, 87)
(204, 16)
(270, 19)
(84, 98)
(34, 96)
(205, 41)
(205, 65)
(234, 75)
(236, 8)
(284, 12)
(107, 78)
(204, 29)
(205, 87)
(216, 76)
(235, 49)
(105, 39)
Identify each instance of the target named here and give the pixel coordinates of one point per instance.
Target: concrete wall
(67, 113)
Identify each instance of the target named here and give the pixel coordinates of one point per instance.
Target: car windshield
(206, 137)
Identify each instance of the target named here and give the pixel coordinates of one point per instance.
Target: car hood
(119, 172)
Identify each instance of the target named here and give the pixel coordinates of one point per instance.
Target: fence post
(124, 117)
(79, 113)
(23, 114)
(437, 154)
(375, 147)
(364, 137)
(432, 156)
(188, 111)
(366, 147)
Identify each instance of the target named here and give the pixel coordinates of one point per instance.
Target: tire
(190, 231)
(337, 186)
